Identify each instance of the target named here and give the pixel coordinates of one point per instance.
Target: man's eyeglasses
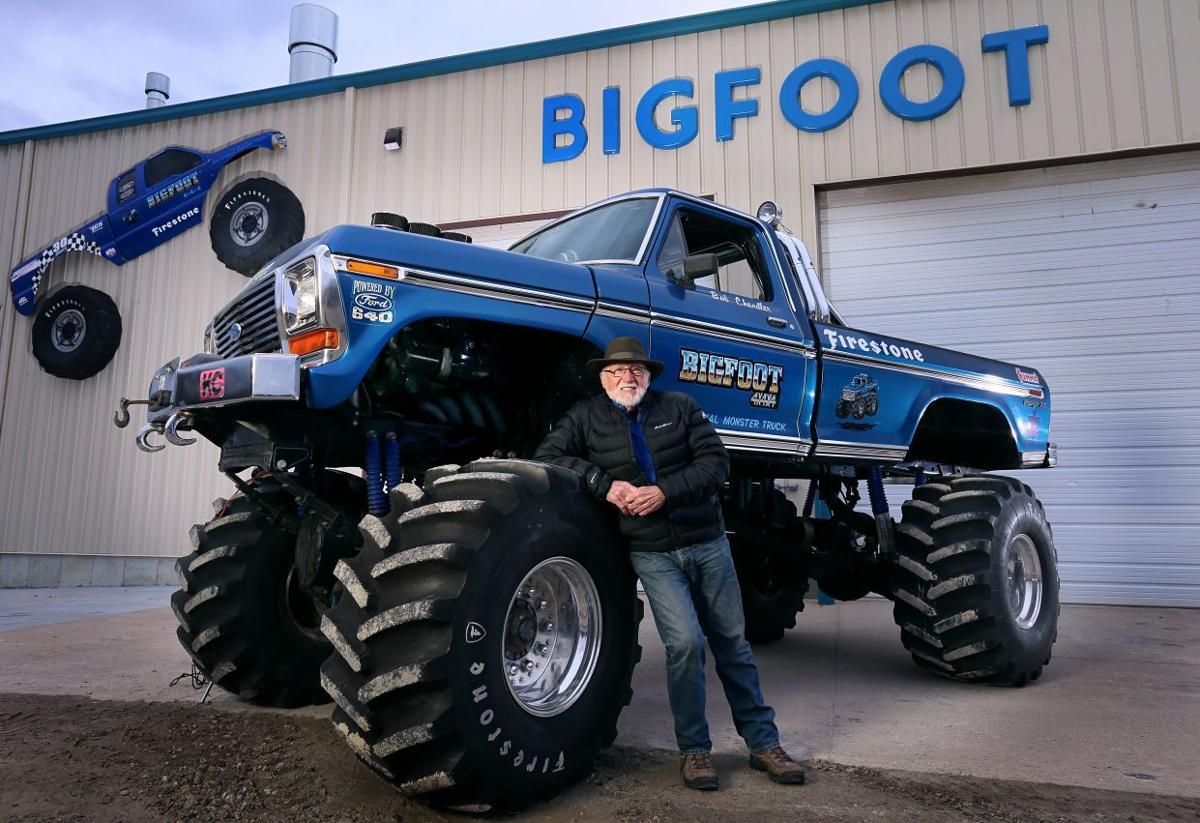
(619, 371)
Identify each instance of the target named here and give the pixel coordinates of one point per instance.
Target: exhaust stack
(312, 42)
(158, 89)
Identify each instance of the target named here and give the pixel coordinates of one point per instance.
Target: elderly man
(655, 457)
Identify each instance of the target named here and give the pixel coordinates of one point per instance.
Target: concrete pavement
(1118, 707)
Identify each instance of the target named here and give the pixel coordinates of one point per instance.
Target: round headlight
(770, 213)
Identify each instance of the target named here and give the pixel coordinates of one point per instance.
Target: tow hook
(170, 430)
(121, 415)
(143, 438)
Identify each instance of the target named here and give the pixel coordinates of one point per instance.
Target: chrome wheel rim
(551, 638)
(248, 224)
(1024, 581)
(68, 330)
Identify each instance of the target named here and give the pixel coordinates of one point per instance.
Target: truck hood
(464, 260)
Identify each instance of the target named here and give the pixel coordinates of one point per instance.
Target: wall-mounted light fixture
(393, 138)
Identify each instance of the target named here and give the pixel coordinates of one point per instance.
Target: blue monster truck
(860, 398)
(78, 329)
(481, 617)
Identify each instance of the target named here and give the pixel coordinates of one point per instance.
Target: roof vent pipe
(158, 89)
(312, 42)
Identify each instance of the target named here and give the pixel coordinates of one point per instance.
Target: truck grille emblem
(235, 332)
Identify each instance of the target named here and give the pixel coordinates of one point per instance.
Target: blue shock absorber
(919, 477)
(391, 460)
(377, 502)
(879, 508)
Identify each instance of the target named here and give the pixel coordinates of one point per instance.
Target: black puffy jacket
(691, 465)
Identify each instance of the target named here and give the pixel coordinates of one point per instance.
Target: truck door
(168, 199)
(731, 340)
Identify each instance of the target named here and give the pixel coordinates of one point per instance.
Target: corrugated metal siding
(72, 483)
(1114, 75)
(1091, 273)
(12, 161)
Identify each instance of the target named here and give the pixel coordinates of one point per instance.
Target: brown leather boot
(778, 766)
(698, 772)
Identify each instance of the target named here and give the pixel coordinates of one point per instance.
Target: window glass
(742, 268)
(126, 187)
(168, 164)
(612, 232)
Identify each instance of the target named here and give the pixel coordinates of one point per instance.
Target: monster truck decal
(155, 201)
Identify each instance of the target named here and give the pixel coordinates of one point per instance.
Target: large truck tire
(770, 569)
(242, 616)
(976, 580)
(76, 332)
(487, 636)
(255, 220)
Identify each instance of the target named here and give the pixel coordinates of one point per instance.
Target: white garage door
(1091, 273)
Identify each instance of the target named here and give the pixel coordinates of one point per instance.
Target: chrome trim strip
(1037, 459)
(841, 448)
(486, 288)
(775, 444)
(688, 325)
(610, 309)
(996, 385)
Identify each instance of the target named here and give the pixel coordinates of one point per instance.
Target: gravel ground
(77, 759)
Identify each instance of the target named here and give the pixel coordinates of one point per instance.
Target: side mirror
(696, 266)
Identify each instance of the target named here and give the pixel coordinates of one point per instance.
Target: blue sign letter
(685, 118)
(842, 77)
(727, 107)
(612, 120)
(1015, 45)
(947, 64)
(571, 125)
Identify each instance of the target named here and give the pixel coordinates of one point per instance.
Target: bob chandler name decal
(762, 380)
(836, 341)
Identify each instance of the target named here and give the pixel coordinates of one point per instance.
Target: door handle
(777, 322)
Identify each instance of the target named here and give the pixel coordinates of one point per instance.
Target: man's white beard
(629, 399)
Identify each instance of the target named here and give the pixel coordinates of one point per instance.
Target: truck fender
(93, 237)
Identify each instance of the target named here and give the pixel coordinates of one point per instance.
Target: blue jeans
(694, 594)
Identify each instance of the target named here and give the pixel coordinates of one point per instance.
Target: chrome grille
(254, 313)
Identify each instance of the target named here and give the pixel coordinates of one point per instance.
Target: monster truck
(481, 616)
(78, 329)
(860, 397)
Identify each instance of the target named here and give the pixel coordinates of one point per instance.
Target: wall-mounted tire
(76, 332)
(976, 583)
(255, 220)
(241, 615)
(770, 572)
(438, 626)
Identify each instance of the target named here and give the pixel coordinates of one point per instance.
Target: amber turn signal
(373, 269)
(311, 341)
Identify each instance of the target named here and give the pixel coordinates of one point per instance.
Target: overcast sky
(71, 59)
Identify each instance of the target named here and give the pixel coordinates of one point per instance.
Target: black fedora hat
(625, 350)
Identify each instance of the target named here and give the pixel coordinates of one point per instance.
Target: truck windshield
(611, 232)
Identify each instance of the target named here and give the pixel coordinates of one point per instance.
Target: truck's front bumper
(204, 382)
(203, 385)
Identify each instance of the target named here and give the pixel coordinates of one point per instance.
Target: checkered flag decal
(72, 242)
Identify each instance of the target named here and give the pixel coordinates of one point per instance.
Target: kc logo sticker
(212, 384)
(475, 632)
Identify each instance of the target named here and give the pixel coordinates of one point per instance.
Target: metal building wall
(1113, 76)
(71, 482)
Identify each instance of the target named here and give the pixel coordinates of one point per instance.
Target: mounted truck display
(77, 329)
(476, 624)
